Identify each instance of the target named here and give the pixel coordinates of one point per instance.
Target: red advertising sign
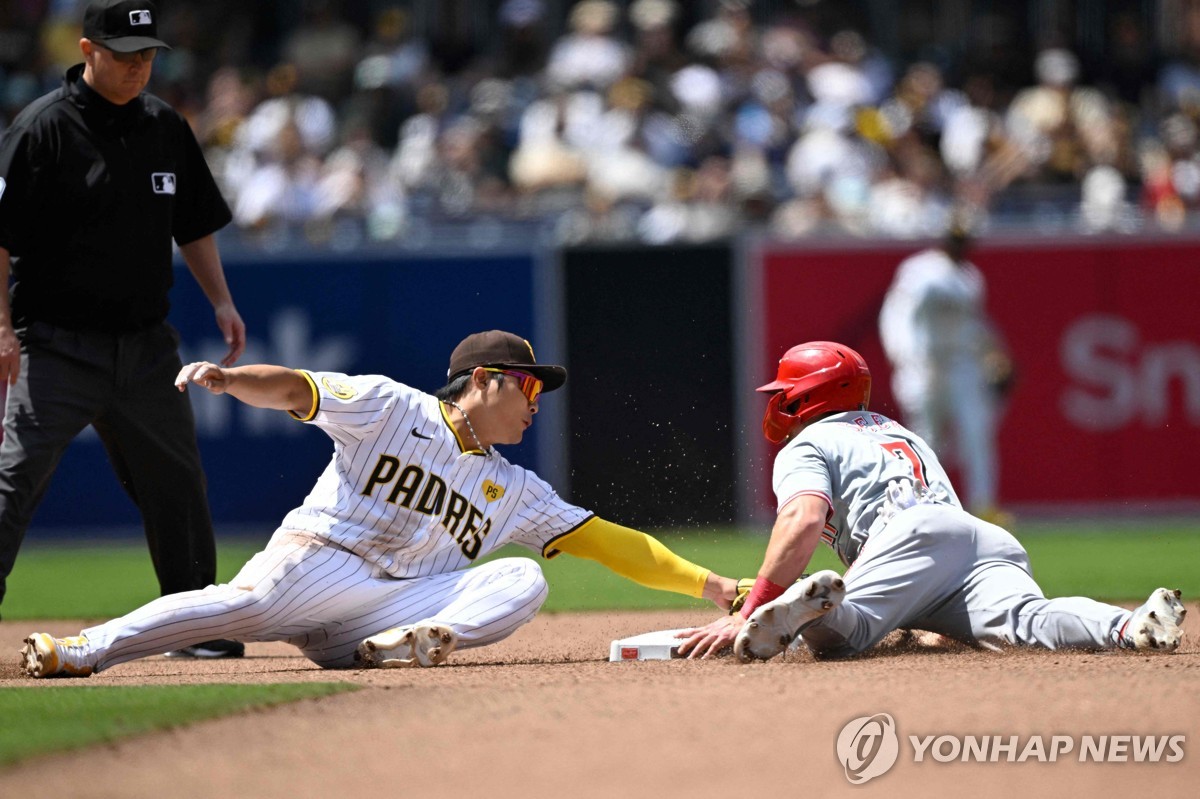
(1106, 340)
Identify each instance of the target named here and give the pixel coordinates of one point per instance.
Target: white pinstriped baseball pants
(325, 600)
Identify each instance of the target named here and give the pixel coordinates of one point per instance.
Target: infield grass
(1118, 561)
(72, 717)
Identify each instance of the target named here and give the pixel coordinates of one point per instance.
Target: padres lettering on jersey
(402, 491)
(429, 492)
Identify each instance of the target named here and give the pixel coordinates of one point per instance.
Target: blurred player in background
(950, 370)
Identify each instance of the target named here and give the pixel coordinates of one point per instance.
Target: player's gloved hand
(999, 372)
(744, 587)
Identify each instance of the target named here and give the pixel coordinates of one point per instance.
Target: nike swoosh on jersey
(419, 434)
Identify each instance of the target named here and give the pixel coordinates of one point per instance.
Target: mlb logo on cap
(164, 182)
(123, 26)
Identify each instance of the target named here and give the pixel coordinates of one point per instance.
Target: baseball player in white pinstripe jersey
(375, 567)
(875, 492)
(951, 371)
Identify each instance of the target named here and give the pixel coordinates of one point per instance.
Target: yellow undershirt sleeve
(634, 555)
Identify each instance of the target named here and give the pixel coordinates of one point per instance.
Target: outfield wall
(650, 345)
(659, 424)
(1105, 335)
(399, 316)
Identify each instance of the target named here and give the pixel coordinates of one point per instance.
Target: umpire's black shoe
(221, 648)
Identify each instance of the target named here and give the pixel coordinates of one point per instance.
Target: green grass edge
(46, 720)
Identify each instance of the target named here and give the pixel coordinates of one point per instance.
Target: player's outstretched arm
(645, 560)
(260, 385)
(794, 538)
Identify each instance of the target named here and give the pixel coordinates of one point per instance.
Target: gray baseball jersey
(851, 472)
(404, 493)
(925, 564)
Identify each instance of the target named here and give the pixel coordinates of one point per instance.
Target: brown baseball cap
(124, 26)
(499, 349)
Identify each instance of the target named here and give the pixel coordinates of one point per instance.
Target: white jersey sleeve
(545, 517)
(349, 408)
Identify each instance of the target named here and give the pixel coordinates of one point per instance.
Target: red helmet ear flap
(777, 422)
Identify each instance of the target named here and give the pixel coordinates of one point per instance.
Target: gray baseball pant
(935, 567)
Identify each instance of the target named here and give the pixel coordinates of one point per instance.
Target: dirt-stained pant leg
(940, 569)
(482, 605)
(287, 589)
(905, 572)
(1001, 604)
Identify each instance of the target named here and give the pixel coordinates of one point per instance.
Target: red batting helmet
(814, 378)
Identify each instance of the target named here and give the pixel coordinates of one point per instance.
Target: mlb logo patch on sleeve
(140, 17)
(164, 182)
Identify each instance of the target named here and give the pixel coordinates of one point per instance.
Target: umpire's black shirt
(91, 195)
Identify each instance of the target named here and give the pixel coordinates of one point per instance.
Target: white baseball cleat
(1155, 624)
(408, 646)
(46, 656)
(772, 627)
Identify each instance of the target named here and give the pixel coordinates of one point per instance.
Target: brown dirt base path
(545, 715)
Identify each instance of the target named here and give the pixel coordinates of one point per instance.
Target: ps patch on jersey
(163, 182)
(339, 390)
(491, 491)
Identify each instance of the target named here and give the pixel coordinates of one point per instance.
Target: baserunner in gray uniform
(876, 493)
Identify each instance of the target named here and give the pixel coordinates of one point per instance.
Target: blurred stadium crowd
(658, 120)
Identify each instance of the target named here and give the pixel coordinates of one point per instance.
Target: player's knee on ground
(531, 588)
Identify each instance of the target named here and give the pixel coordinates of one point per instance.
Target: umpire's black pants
(123, 385)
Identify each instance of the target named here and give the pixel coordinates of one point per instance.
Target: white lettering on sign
(1118, 379)
(289, 343)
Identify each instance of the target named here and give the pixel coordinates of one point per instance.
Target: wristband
(763, 592)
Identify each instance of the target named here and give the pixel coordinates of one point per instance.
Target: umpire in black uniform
(96, 179)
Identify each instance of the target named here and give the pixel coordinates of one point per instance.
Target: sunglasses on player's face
(530, 386)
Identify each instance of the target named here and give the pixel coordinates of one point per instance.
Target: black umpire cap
(124, 26)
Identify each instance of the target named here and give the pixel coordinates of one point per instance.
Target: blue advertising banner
(397, 316)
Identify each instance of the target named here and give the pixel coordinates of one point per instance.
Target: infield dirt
(544, 714)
